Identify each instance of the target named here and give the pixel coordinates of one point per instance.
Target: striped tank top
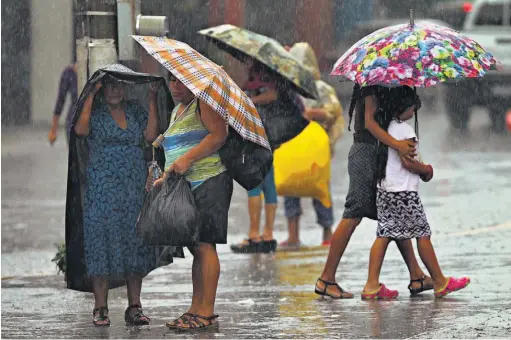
(183, 134)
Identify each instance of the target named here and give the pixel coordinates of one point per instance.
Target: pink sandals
(453, 284)
(383, 293)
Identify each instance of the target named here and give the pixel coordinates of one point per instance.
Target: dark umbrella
(242, 43)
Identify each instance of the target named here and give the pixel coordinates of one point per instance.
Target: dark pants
(324, 215)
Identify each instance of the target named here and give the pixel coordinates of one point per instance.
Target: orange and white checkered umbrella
(210, 83)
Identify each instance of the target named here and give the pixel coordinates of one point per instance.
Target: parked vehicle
(488, 23)
(453, 12)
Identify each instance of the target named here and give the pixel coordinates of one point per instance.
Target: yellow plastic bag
(302, 165)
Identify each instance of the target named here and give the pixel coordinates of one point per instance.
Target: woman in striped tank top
(191, 145)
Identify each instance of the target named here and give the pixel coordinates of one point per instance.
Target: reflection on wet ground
(271, 296)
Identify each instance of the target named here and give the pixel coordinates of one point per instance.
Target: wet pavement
(271, 296)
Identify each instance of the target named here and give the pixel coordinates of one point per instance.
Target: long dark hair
(391, 104)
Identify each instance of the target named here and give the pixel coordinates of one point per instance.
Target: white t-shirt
(397, 178)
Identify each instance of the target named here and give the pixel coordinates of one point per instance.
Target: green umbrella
(242, 43)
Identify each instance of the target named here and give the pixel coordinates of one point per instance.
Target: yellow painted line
(7, 277)
(318, 250)
(503, 226)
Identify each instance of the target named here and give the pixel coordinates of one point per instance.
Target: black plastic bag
(169, 215)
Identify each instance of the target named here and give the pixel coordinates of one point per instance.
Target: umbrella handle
(412, 22)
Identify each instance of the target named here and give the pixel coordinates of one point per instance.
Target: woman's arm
(268, 96)
(151, 132)
(59, 104)
(82, 125)
(403, 147)
(215, 124)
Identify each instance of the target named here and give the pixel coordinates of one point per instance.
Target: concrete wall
(52, 39)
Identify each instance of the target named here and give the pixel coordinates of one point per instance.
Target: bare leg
(209, 269)
(406, 249)
(270, 212)
(100, 289)
(293, 226)
(340, 240)
(198, 291)
(428, 256)
(376, 258)
(254, 211)
(134, 288)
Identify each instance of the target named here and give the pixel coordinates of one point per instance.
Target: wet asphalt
(468, 205)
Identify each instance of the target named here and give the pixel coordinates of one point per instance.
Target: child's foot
(381, 293)
(453, 284)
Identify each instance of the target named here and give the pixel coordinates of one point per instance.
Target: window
(490, 15)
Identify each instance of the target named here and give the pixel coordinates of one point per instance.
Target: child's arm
(425, 171)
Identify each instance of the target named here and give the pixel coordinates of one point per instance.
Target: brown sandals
(192, 322)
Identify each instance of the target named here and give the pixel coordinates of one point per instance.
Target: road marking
(503, 226)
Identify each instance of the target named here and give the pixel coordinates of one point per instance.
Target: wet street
(468, 205)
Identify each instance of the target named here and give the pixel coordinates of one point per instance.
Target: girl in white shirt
(400, 212)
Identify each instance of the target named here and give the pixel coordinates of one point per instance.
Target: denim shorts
(267, 187)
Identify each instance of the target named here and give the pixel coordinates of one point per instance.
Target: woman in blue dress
(113, 194)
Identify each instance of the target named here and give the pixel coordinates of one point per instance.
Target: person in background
(68, 85)
(262, 90)
(327, 111)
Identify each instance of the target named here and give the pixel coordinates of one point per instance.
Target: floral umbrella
(420, 55)
(242, 43)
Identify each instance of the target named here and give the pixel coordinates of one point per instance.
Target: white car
(489, 23)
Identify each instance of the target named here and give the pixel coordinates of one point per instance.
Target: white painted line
(503, 226)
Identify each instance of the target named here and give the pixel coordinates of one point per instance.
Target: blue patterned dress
(114, 194)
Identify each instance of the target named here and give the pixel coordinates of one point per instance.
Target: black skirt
(213, 199)
(361, 198)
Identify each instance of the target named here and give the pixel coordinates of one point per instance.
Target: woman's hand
(52, 135)
(406, 149)
(181, 165)
(153, 88)
(96, 88)
(160, 180)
